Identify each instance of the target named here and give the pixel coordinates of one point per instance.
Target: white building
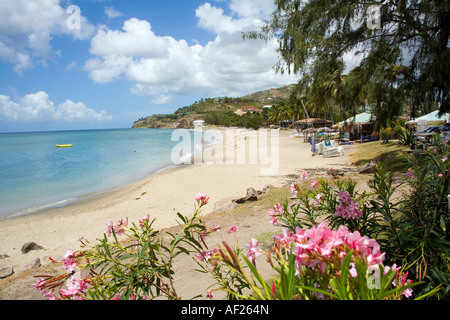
(198, 123)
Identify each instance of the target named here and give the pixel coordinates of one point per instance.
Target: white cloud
(136, 39)
(38, 107)
(162, 99)
(161, 66)
(27, 27)
(112, 13)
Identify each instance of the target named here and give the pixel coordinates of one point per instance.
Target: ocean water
(35, 175)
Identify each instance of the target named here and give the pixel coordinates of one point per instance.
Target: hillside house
(198, 123)
(246, 109)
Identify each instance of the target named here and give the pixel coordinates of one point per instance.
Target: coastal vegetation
(338, 242)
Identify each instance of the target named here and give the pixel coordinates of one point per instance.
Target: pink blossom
(118, 228)
(201, 199)
(304, 175)
(253, 250)
(144, 221)
(232, 229)
(209, 294)
(293, 189)
(314, 184)
(284, 238)
(444, 158)
(347, 208)
(68, 254)
(353, 271)
(279, 208)
(205, 255)
(273, 217)
(411, 175)
(70, 264)
(318, 198)
(274, 220)
(372, 164)
(74, 287)
(318, 246)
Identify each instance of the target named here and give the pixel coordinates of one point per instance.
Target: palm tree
(334, 85)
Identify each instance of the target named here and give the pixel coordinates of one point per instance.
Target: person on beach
(313, 146)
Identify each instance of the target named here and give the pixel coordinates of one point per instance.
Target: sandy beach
(160, 195)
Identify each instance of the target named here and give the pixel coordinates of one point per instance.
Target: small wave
(31, 210)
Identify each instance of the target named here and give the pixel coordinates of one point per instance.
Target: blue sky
(89, 64)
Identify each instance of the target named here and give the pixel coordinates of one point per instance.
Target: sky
(93, 64)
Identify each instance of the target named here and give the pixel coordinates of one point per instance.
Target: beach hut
(429, 119)
(312, 123)
(360, 126)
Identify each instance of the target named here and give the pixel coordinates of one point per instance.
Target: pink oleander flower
(284, 238)
(411, 175)
(347, 208)
(279, 208)
(293, 189)
(304, 175)
(232, 229)
(319, 246)
(314, 184)
(74, 287)
(353, 271)
(319, 198)
(201, 199)
(68, 254)
(372, 164)
(253, 250)
(70, 264)
(274, 220)
(205, 255)
(275, 213)
(144, 221)
(118, 228)
(69, 261)
(116, 296)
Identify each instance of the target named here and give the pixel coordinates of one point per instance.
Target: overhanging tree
(315, 34)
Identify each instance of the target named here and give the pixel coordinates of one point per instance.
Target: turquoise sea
(36, 175)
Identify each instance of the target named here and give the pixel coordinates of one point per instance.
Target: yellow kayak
(63, 145)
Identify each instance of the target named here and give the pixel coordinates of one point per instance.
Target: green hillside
(216, 111)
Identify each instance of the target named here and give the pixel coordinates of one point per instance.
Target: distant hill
(213, 108)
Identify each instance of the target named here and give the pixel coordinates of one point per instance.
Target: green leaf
(255, 272)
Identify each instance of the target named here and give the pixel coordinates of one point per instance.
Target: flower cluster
(293, 189)
(320, 246)
(118, 228)
(347, 208)
(69, 260)
(275, 213)
(144, 221)
(206, 255)
(201, 199)
(75, 288)
(252, 250)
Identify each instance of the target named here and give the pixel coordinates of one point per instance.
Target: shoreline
(161, 195)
